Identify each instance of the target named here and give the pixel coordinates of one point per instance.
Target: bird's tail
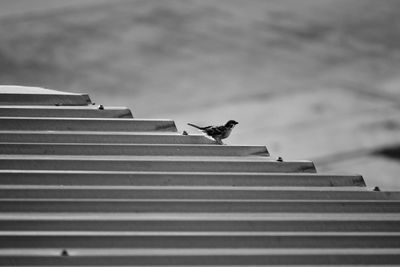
(195, 126)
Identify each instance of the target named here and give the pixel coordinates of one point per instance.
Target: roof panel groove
(107, 178)
(195, 240)
(65, 111)
(192, 193)
(169, 205)
(22, 95)
(160, 165)
(85, 124)
(131, 149)
(102, 137)
(205, 257)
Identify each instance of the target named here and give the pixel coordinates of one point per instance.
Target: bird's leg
(218, 140)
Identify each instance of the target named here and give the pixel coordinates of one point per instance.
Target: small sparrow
(217, 132)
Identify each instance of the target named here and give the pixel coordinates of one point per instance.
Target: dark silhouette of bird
(217, 132)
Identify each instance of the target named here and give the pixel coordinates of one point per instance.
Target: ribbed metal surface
(21, 95)
(85, 124)
(100, 149)
(101, 137)
(83, 186)
(91, 111)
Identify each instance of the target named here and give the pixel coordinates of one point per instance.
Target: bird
(217, 132)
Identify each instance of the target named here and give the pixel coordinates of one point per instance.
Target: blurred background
(310, 79)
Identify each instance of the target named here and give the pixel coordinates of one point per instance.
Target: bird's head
(231, 123)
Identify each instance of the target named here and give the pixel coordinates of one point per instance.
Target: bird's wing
(215, 130)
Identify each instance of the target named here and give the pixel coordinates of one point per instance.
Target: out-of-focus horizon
(310, 79)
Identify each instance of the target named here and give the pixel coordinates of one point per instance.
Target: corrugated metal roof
(82, 185)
